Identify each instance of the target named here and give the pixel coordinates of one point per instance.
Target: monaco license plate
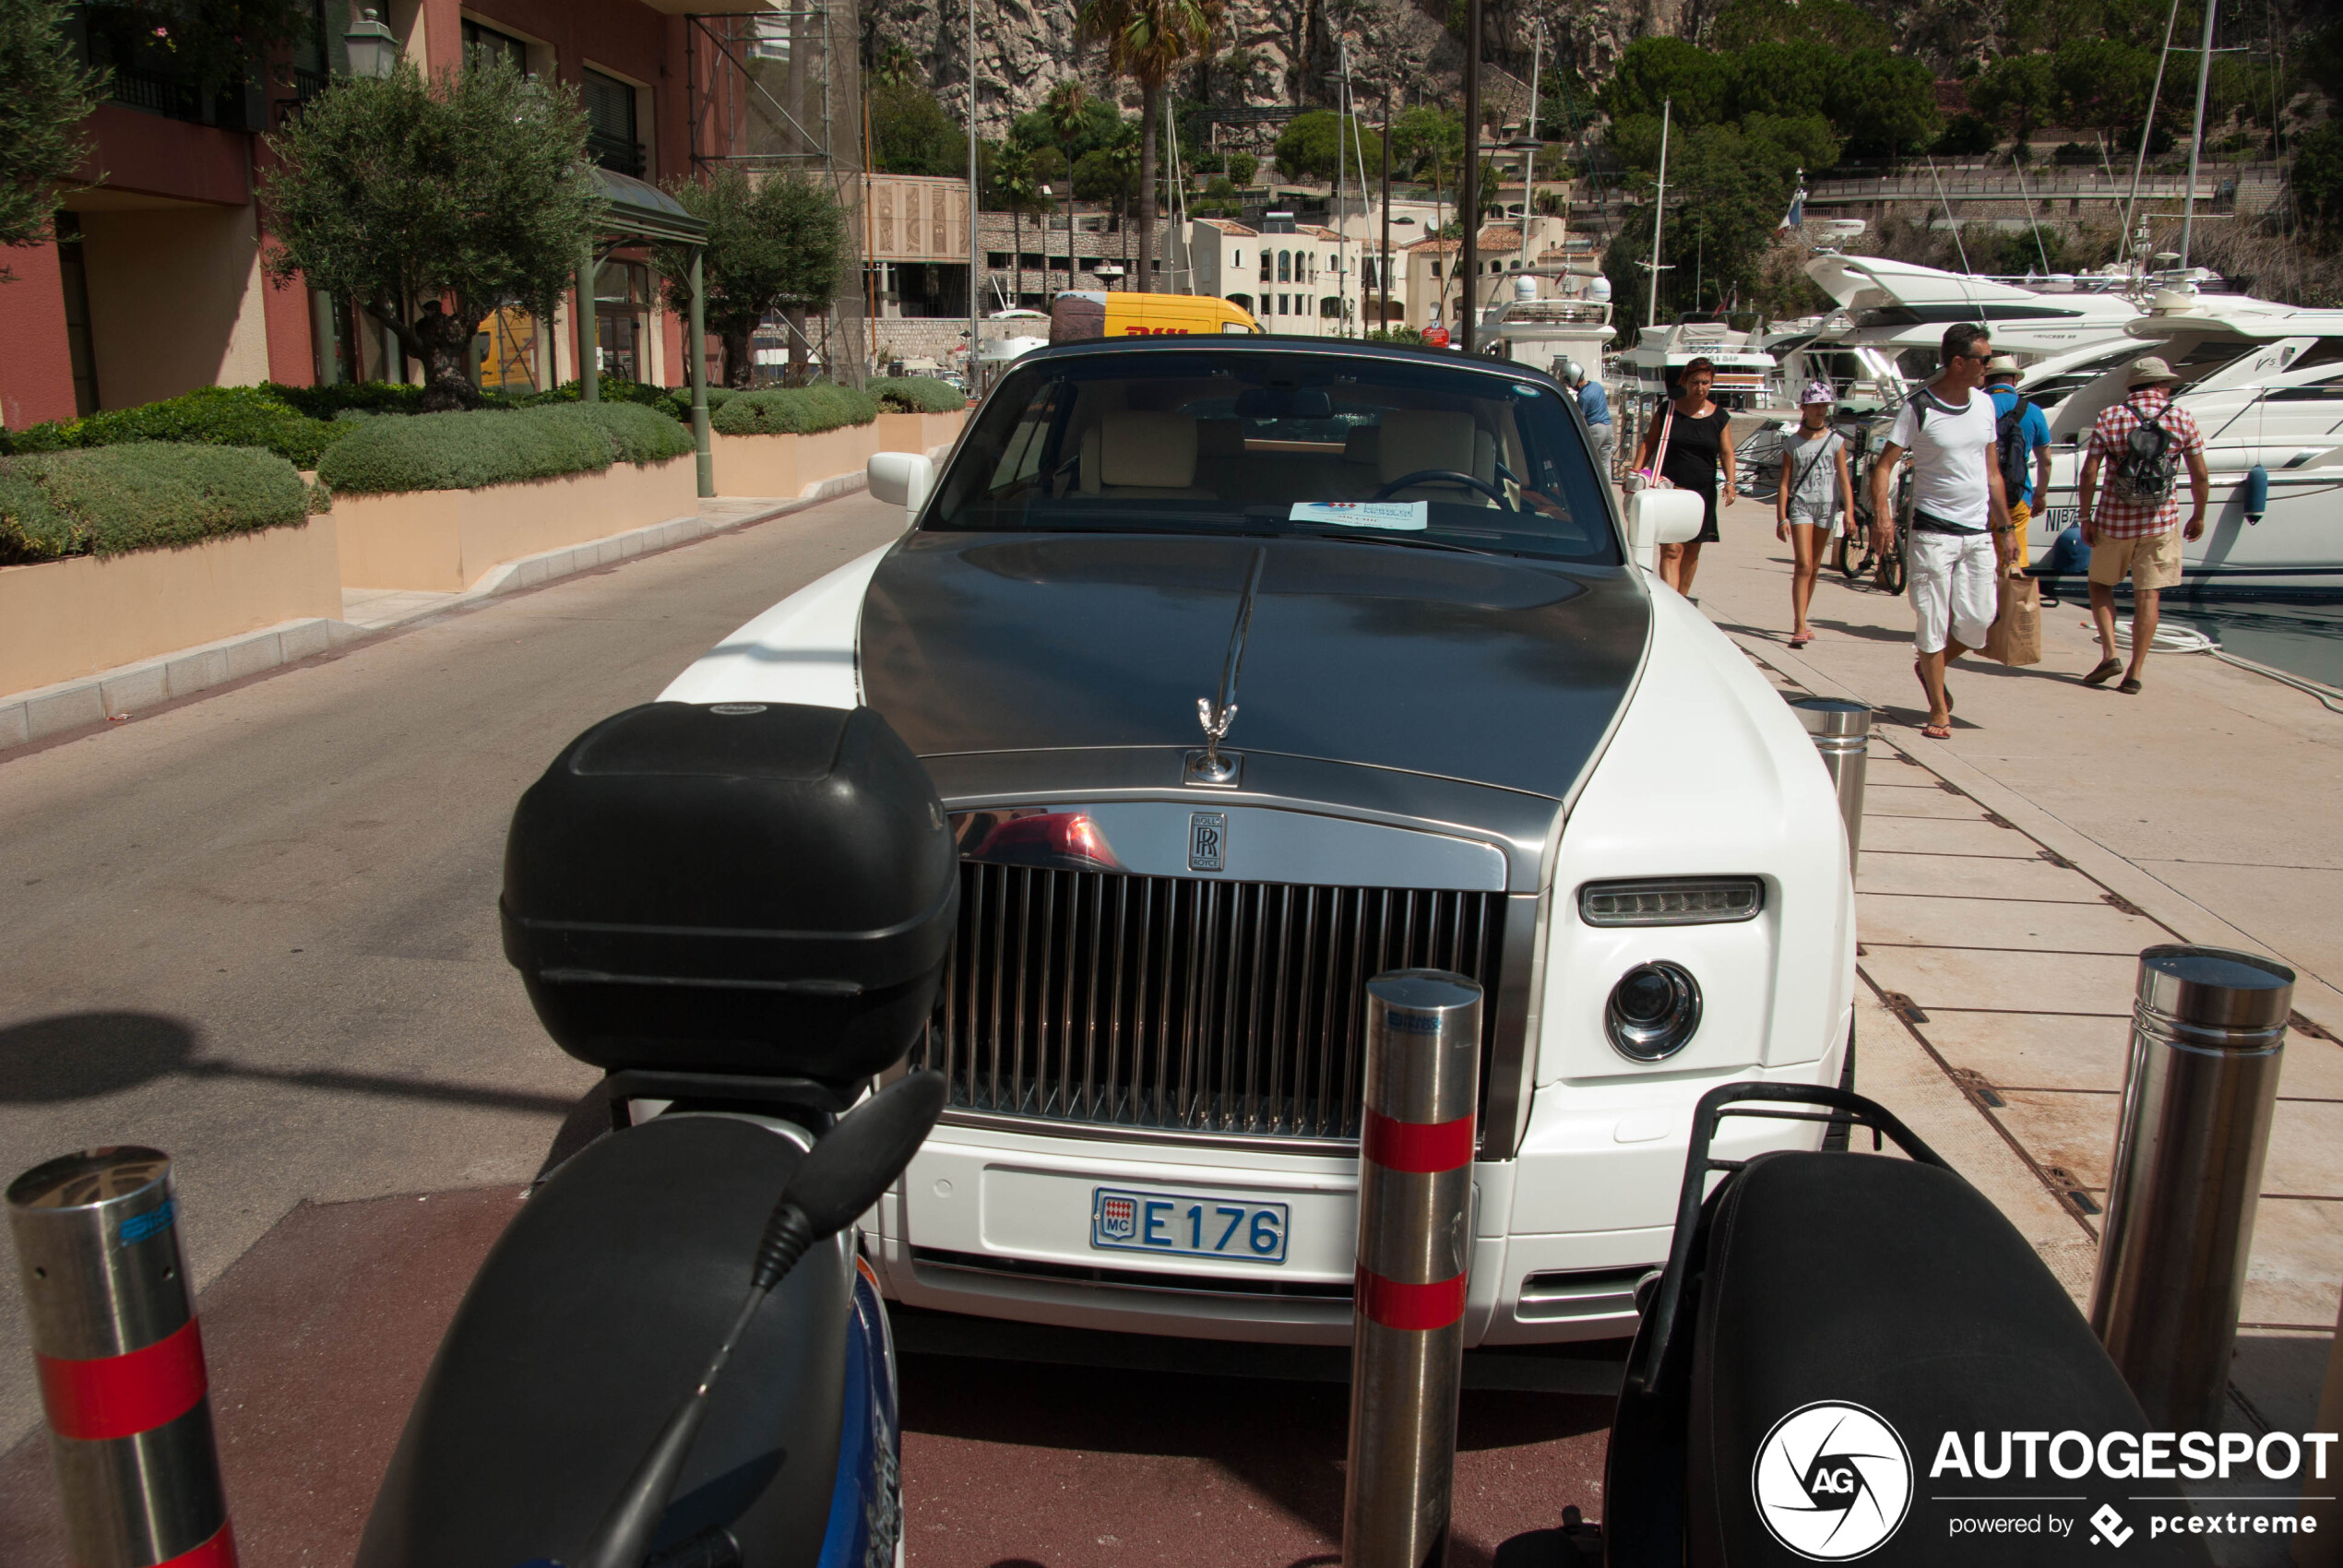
(1187, 1225)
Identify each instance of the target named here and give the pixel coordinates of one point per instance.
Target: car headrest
(1220, 438)
(1150, 450)
(1420, 439)
(1361, 444)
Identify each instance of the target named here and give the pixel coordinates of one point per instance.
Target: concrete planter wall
(793, 466)
(445, 540)
(919, 433)
(62, 620)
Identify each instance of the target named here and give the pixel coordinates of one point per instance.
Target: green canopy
(637, 211)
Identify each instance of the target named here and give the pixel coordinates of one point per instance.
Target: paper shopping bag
(2017, 636)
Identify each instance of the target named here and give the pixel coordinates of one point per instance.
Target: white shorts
(1952, 588)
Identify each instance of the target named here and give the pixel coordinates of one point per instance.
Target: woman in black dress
(1700, 443)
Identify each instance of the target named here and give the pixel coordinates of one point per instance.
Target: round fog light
(1653, 1012)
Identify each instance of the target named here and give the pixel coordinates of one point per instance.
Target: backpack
(2143, 467)
(2009, 439)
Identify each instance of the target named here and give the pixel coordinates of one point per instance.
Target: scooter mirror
(855, 1163)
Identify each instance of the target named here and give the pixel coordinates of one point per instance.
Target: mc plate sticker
(1363, 514)
(1187, 1225)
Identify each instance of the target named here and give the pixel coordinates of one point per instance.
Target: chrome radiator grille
(1174, 1003)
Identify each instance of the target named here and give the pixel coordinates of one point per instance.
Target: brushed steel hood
(1483, 669)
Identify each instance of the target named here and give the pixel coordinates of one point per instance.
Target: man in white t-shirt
(1957, 512)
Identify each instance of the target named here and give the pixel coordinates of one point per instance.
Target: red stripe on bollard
(122, 1395)
(1412, 1308)
(220, 1552)
(1419, 1148)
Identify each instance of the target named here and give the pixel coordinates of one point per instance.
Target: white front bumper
(997, 1224)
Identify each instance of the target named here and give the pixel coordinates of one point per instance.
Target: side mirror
(1662, 517)
(902, 478)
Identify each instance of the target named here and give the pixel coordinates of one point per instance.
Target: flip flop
(2106, 670)
(1801, 641)
(1937, 731)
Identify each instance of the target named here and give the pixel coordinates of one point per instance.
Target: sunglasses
(1981, 359)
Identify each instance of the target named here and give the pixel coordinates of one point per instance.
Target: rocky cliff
(1270, 52)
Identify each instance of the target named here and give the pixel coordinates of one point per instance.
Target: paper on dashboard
(1363, 514)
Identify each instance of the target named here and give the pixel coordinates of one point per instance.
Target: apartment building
(155, 286)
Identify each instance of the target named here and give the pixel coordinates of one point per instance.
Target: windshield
(1290, 444)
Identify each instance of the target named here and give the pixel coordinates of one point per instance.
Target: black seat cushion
(593, 1316)
(1898, 1288)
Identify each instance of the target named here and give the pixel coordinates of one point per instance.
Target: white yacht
(2265, 385)
(1571, 322)
(1661, 353)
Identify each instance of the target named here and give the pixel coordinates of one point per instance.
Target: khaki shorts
(2152, 562)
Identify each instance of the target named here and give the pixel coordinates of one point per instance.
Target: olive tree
(773, 242)
(433, 204)
(44, 94)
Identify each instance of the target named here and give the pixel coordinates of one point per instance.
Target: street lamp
(374, 50)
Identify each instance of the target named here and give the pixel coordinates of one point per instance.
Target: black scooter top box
(738, 888)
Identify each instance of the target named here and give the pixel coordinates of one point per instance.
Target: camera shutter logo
(1833, 1481)
(1208, 840)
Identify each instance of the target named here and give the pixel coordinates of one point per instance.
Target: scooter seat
(1896, 1287)
(592, 1317)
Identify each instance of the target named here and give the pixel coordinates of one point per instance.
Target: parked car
(1247, 670)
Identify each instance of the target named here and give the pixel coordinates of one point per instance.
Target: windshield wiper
(1407, 542)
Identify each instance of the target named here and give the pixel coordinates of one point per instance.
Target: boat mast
(2196, 132)
(1530, 158)
(2147, 129)
(1659, 213)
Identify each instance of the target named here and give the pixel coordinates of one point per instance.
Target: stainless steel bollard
(1842, 735)
(120, 1361)
(1415, 1238)
(2207, 1029)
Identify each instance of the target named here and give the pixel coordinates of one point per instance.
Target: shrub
(918, 395)
(794, 410)
(364, 396)
(217, 416)
(31, 528)
(483, 446)
(142, 495)
(638, 435)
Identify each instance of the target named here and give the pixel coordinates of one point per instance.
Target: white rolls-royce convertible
(1247, 671)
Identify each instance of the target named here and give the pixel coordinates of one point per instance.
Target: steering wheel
(1444, 476)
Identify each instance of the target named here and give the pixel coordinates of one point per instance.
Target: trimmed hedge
(795, 410)
(217, 416)
(485, 446)
(638, 435)
(361, 396)
(919, 395)
(141, 496)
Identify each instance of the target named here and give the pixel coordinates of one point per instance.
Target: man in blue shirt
(2033, 441)
(1596, 407)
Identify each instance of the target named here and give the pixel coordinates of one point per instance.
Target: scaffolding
(779, 91)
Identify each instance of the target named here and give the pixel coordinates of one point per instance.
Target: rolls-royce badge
(1208, 840)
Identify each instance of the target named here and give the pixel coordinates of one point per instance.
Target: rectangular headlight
(1671, 900)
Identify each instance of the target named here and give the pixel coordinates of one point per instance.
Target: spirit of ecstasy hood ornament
(1209, 767)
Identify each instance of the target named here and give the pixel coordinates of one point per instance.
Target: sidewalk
(2010, 876)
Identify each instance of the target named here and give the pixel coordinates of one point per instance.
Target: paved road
(258, 930)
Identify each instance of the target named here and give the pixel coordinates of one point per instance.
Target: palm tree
(1013, 180)
(1067, 111)
(1150, 42)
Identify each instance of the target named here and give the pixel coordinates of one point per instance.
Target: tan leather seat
(1141, 456)
(1417, 439)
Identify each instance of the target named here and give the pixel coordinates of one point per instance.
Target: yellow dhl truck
(1083, 315)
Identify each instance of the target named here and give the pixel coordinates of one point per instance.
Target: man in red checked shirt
(2141, 441)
